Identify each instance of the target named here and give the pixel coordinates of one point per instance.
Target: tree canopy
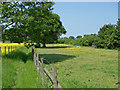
(108, 37)
(30, 21)
(79, 36)
(71, 37)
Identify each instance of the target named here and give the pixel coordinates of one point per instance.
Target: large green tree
(118, 33)
(109, 35)
(34, 21)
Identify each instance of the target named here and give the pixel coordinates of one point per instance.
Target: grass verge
(19, 71)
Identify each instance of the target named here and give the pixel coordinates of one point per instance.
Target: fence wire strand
(62, 82)
(64, 76)
(47, 85)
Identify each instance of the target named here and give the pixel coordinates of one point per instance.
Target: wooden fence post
(55, 82)
(5, 50)
(38, 68)
(43, 75)
(34, 58)
(11, 48)
(8, 49)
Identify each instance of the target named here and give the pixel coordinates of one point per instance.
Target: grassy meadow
(83, 67)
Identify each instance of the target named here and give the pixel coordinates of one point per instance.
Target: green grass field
(82, 67)
(19, 71)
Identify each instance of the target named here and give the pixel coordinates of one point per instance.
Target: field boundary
(39, 63)
(8, 49)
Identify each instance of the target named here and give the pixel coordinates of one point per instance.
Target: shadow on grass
(29, 56)
(18, 55)
(54, 58)
(48, 58)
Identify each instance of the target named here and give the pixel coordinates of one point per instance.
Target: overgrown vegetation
(107, 37)
(19, 71)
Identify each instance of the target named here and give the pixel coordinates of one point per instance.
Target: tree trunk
(44, 45)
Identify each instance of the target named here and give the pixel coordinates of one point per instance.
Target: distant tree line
(108, 37)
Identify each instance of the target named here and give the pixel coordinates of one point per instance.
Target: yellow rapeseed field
(9, 45)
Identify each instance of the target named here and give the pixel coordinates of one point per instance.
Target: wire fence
(49, 80)
(66, 78)
(7, 49)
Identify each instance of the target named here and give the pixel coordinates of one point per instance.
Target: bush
(37, 46)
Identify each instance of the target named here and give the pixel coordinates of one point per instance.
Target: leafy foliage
(79, 36)
(30, 22)
(71, 37)
(108, 37)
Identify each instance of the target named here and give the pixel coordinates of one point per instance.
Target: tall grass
(19, 71)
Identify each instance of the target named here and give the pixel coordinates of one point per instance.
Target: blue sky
(81, 18)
